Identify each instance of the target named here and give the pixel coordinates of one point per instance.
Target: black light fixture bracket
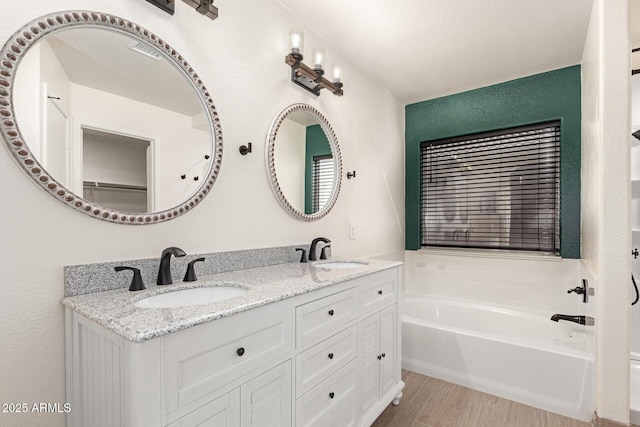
(205, 7)
(309, 78)
(166, 5)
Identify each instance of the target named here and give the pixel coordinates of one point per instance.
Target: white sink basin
(193, 296)
(340, 264)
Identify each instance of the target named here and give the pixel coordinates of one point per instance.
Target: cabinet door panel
(369, 362)
(387, 349)
(266, 400)
(221, 412)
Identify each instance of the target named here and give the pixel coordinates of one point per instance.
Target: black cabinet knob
(384, 355)
(331, 395)
(330, 355)
(330, 312)
(380, 292)
(379, 357)
(240, 351)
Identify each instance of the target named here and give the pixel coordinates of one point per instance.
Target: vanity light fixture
(311, 78)
(205, 7)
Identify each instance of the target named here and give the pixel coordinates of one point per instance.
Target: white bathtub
(519, 356)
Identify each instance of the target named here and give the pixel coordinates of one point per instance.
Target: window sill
(490, 253)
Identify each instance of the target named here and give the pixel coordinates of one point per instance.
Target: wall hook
(207, 157)
(195, 178)
(245, 149)
(351, 175)
(183, 176)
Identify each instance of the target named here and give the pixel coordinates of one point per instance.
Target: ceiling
(424, 49)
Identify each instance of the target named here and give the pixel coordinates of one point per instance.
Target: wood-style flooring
(428, 402)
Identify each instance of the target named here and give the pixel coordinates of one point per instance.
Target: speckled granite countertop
(115, 310)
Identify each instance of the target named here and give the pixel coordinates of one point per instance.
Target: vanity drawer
(320, 318)
(197, 363)
(379, 290)
(325, 358)
(332, 403)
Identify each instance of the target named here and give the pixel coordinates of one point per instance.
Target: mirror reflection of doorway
(115, 170)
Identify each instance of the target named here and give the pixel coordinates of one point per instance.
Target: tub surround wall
(531, 284)
(40, 235)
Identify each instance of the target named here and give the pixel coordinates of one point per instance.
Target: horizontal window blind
(497, 190)
(323, 176)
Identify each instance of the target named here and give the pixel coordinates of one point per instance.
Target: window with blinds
(496, 190)
(322, 179)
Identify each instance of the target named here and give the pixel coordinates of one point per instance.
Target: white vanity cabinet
(377, 342)
(310, 360)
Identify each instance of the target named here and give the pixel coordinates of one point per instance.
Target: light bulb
(318, 58)
(338, 72)
(296, 41)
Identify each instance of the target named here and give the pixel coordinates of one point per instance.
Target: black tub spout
(581, 320)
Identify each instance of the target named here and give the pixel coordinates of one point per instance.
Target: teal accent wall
(554, 95)
(317, 145)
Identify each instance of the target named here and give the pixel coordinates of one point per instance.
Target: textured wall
(606, 198)
(240, 58)
(534, 99)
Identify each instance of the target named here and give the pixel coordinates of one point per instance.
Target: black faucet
(312, 251)
(581, 320)
(164, 273)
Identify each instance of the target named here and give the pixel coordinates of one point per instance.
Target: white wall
(605, 198)
(40, 235)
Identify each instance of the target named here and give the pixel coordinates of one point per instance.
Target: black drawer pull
(240, 351)
(380, 292)
(331, 395)
(331, 312)
(330, 355)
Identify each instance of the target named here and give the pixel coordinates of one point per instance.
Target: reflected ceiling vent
(144, 49)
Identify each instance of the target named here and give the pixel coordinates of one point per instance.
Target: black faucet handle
(190, 275)
(136, 281)
(303, 257)
(323, 252)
